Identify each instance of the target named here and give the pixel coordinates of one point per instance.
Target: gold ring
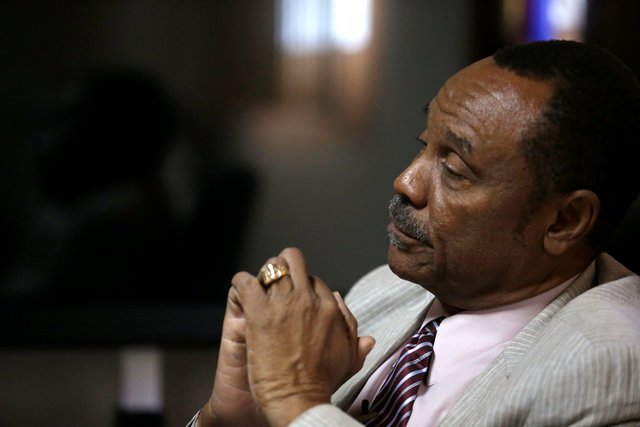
(270, 272)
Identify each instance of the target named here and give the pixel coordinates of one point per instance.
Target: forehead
(488, 106)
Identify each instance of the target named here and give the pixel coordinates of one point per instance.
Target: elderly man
(497, 306)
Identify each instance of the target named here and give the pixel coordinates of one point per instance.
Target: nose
(413, 184)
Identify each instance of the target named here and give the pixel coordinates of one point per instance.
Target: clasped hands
(285, 348)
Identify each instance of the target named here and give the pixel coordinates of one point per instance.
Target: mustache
(401, 215)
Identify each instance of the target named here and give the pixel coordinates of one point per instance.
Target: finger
(250, 293)
(282, 285)
(365, 345)
(240, 280)
(234, 309)
(351, 321)
(297, 268)
(321, 289)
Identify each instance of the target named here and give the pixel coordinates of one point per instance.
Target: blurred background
(150, 149)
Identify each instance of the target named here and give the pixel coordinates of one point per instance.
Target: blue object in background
(538, 25)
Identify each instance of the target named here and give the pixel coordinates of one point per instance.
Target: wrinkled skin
(474, 242)
(469, 189)
(284, 349)
(231, 402)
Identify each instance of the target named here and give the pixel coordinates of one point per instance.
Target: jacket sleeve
(324, 416)
(318, 416)
(194, 421)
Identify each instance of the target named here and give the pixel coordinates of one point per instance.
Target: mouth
(404, 230)
(403, 240)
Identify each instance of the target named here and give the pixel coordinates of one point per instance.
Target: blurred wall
(64, 388)
(213, 58)
(328, 198)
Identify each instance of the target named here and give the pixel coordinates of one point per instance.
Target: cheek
(474, 220)
(471, 229)
(453, 218)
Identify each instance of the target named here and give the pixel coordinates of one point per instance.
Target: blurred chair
(106, 226)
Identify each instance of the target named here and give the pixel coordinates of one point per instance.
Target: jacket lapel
(392, 331)
(467, 408)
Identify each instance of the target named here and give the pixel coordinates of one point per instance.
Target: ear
(575, 215)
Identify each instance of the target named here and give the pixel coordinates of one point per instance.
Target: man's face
(461, 222)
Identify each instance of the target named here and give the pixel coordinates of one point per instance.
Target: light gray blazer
(577, 363)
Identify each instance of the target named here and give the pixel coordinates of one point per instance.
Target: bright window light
(301, 26)
(567, 15)
(312, 26)
(350, 24)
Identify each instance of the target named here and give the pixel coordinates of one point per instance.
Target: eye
(452, 173)
(450, 170)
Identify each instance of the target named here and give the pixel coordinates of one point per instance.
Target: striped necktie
(393, 404)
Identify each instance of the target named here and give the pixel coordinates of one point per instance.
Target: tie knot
(428, 331)
(392, 405)
(432, 326)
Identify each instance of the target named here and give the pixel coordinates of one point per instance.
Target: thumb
(365, 345)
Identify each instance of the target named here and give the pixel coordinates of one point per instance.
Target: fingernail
(373, 343)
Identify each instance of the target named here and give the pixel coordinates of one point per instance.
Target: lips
(403, 224)
(398, 230)
(407, 235)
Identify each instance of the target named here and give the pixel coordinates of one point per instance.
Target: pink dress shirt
(466, 343)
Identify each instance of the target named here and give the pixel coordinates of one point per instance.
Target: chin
(412, 267)
(400, 263)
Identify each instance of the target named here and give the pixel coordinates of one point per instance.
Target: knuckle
(329, 307)
(237, 278)
(241, 281)
(320, 283)
(291, 252)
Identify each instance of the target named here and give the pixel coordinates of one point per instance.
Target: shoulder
(574, 383)
(609, 312)
(582, 367)
(605, 316)
(380, 294)
(382, 287)
(580, 377)
(324, 416)
(586, 362)
(376, 280)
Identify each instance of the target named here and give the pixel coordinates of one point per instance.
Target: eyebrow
(459, 141)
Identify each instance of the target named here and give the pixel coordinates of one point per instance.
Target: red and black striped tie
(393, 404)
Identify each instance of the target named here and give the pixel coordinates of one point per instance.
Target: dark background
(117, 231)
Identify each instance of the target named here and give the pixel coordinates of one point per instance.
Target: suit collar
(523, 340)
(401, 323)
(502, 367)
(390, 334)
(604, 269)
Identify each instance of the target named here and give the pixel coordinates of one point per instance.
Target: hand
(302, 341)
(231, 402)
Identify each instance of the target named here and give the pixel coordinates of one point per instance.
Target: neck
(556, 273)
